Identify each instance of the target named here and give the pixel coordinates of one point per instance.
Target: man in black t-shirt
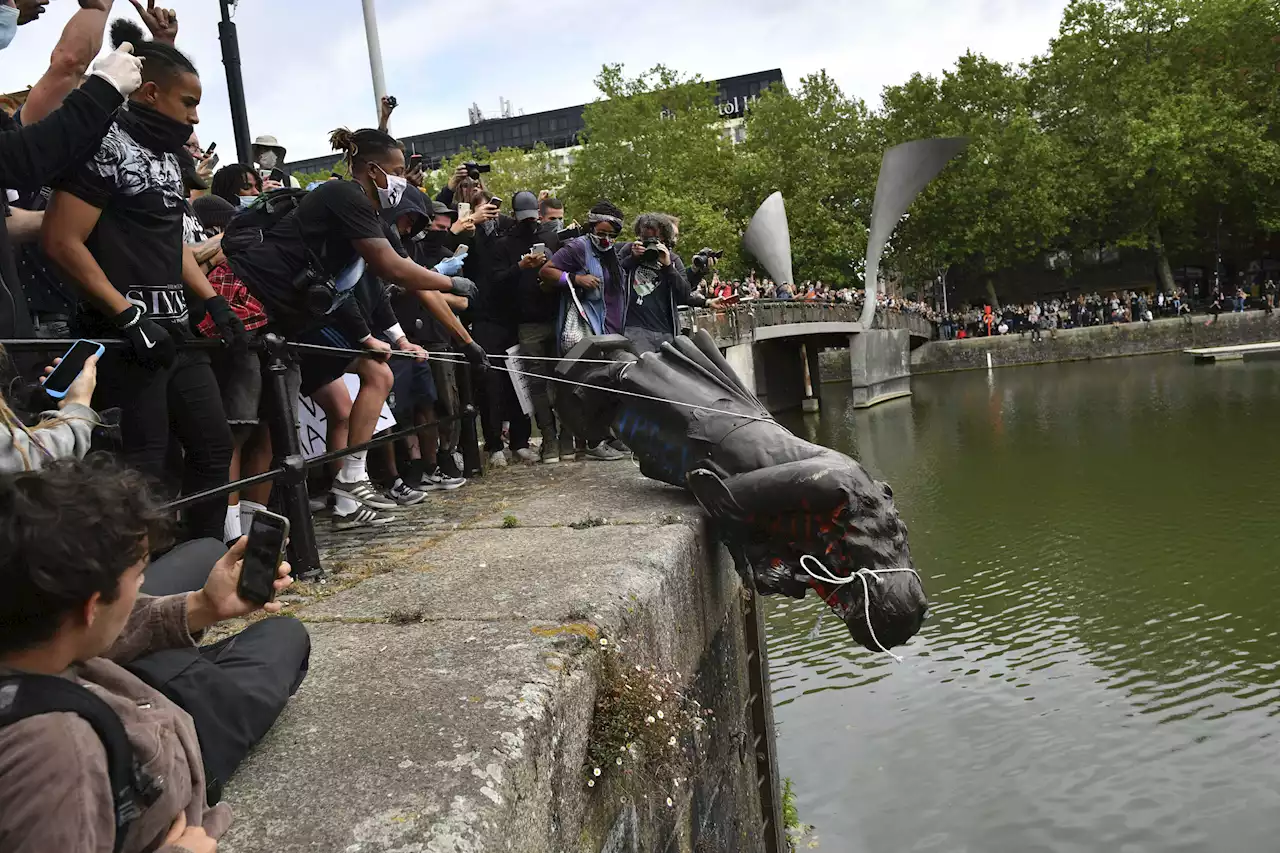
(318, 252)
(115, 226)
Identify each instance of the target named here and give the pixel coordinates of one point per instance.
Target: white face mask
(268, 160)
(394, 191)
(8, 25)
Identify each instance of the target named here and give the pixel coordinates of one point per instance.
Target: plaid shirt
(243, 304)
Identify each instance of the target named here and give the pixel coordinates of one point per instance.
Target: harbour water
(1100, 670)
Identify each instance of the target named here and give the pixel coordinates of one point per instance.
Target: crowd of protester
(752, 289)
(1095, 309)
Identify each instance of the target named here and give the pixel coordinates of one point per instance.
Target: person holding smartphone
(64, 433)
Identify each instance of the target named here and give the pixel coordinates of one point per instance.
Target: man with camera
(657, 282)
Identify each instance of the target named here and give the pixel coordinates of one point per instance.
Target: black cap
(524, 205)
(441, 209)
(213, 211)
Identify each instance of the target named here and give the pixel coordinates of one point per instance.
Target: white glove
(121, 69)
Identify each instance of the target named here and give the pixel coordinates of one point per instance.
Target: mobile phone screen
(262, 557)
(464, 210)
(495, 201)
(57, 383)
(539, 249)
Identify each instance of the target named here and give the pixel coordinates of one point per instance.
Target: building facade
(560, 130)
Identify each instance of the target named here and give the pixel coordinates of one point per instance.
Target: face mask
(556, 224)
(248, 200)
(8, 25)
(268, 160)
(394, 191)
(154, 129)
(602, 242)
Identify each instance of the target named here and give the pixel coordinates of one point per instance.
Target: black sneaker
(446, 465)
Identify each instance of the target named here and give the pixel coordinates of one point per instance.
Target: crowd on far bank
(753, 289)
(1094, 309)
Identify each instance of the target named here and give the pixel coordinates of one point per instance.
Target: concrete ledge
(454, 675)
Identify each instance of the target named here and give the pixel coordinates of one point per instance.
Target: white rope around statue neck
(862, 575)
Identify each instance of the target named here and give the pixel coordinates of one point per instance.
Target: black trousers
(495, 396)
(234, 689)
(182, 401)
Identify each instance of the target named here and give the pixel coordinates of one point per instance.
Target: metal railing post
(468, 436)
(287, 450)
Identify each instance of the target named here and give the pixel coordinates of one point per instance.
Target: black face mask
(435, 239)
(153, 129)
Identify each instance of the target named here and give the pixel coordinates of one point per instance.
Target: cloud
(306, 66)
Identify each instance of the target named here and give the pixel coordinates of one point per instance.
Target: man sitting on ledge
(74, 543)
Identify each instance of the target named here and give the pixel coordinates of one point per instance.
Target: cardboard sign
(313, 425)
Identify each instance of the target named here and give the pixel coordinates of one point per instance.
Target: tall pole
(235, 82)
(375, 57)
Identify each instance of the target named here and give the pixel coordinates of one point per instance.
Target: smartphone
(464, 209)
(57, 384)
(461, 251)
(415, 160)
(539, 249)
(496, 201)
(213, 161)
(213, 146)
(262, 556)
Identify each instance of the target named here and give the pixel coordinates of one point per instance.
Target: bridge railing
(736, 325)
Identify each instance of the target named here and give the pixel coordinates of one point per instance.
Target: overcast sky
(306, 66)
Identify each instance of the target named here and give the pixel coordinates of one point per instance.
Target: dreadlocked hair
(362, 146)
(604, 207)
(162, 62)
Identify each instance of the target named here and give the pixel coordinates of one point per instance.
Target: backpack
(23, 696)
(248, 225)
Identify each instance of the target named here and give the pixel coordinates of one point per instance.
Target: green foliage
(1147, 123)
(512, 170)
(307, 178)
(655, 143)
(510, 521)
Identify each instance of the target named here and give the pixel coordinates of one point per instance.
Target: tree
(656, 143)
(998, 203)
(818, 148)
(1168, 110)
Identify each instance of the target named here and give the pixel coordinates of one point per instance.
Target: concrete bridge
(774, 346)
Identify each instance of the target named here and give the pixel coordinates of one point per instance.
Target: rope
(861, 575)
(767, 420)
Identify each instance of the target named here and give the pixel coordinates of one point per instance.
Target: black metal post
(467, 435)
(235, 83)
(287, 450)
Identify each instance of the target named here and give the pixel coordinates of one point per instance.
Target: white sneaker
(524, 454)
(497, 459)
(405, 495)
(439, 481)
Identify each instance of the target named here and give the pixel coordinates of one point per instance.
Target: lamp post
(235, 82)
(375, 57)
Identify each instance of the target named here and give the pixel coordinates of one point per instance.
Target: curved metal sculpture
(768, 239)
(794, 515)
(905, 170)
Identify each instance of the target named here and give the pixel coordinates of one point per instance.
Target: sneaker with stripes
(362, 492)
(362, 517)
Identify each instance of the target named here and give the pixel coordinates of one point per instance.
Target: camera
(705, 258)
(321, 290)
(475, 170)
(650, 251)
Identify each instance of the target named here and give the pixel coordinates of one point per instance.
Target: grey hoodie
(68, 437)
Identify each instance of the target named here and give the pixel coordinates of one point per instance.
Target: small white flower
(649, 719)
(671, 742)
(591, 783)
(596, 772)
(619, 762)
(669, 802)
(603, 641)
(660, 715)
